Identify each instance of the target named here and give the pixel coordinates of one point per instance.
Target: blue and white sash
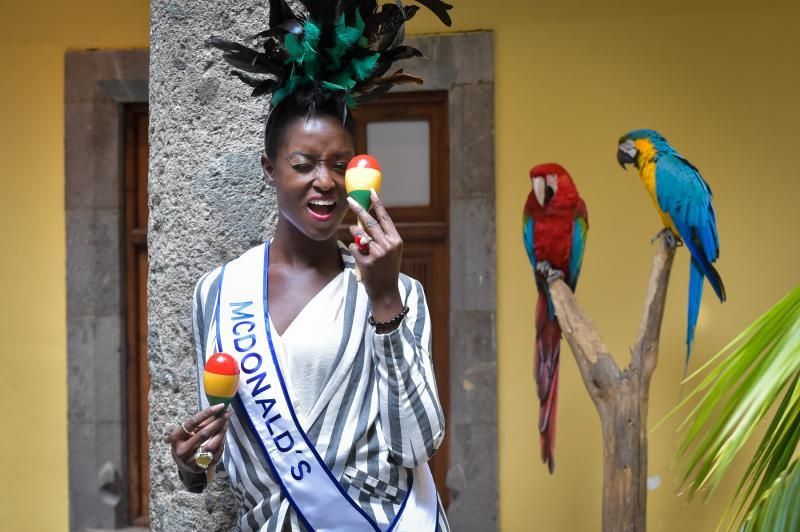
(242, 330)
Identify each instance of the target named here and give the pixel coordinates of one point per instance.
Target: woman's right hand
(206, 428)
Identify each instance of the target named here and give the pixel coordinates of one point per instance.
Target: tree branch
(598, 369)
(621, 397)
(645, 351)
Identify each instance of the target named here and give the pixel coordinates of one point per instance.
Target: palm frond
(756, 373)
(778, 507)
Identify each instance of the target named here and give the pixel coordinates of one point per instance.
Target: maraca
(221, 378)
(363, 173)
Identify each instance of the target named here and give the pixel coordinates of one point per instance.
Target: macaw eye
(552, 183)
(627, 146)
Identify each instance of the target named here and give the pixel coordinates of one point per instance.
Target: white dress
(308, 347)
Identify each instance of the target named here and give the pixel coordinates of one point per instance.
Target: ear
(268, 168)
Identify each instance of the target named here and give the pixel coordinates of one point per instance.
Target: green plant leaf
(777, 509)
(757, 373)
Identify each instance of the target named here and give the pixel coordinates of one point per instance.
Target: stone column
(208, 203)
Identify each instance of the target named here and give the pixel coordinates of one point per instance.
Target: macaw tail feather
(716, 283)
(548, 346)
(700, 267)
(695, 295)
(700, 257)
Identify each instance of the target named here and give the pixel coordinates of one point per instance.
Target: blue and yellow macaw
(683, 200)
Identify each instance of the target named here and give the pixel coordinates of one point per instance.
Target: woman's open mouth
(321, 209)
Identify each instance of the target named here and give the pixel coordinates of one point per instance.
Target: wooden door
(135, 292)
(423, 227)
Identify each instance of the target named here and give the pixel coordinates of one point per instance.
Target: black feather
(390, 29)
(225, 45)
(439, 8)
(250, 80)
(279, 13)
(275, 52)
(338, 58)
(399, 37)
(375, 93)
(290, 26)
(252, 61)
(399, 53)
(245, 58)
(268, 85)
(260, 86)
(398, 78)
(320, 11)
(381, 68)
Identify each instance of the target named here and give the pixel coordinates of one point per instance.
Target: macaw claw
(547, 270)
(669, 238)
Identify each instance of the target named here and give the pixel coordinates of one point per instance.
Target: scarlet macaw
(554, 226)
(683, 200)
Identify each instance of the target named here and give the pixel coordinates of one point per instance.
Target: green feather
(332, 86)
(344, 38)
(292, 82)
(311, 33)
(347, 35)
(293, 48)
(363, 67)
(278, 96)
(344, 78)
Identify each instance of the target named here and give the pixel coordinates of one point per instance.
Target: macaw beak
(626, 155)
(539, 189)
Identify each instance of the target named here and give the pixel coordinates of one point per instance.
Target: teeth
(325, 203)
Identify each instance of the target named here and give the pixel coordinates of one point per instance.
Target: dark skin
(304, 254)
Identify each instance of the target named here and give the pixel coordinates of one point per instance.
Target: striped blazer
(378, 414)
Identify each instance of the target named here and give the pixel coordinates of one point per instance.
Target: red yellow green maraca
(221, 378)
(363, 173)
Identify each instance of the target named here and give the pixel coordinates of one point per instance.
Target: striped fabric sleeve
(203, 302)
(410, 412)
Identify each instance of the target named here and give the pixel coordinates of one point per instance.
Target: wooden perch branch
(621, 396)
(645, 351)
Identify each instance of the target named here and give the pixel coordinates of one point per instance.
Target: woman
(349, 359)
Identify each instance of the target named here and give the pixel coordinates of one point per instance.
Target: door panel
(135, 293)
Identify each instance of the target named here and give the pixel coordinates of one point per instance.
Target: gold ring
(203, 458)
(187, 431)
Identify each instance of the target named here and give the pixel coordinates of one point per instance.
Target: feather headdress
(344, 46)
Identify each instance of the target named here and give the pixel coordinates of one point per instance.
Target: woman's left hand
(379, 263)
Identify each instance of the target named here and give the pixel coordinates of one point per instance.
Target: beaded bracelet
(389, 323)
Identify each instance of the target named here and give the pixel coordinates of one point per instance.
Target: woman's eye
(340, 168)
(303, 168)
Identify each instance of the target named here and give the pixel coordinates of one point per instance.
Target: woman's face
(308, 174)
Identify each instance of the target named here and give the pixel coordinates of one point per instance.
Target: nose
(324, 180)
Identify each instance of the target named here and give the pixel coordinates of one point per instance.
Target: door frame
(97, 84)
(463, 65)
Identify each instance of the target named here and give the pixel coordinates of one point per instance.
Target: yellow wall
(34, 35)
(719, 81)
